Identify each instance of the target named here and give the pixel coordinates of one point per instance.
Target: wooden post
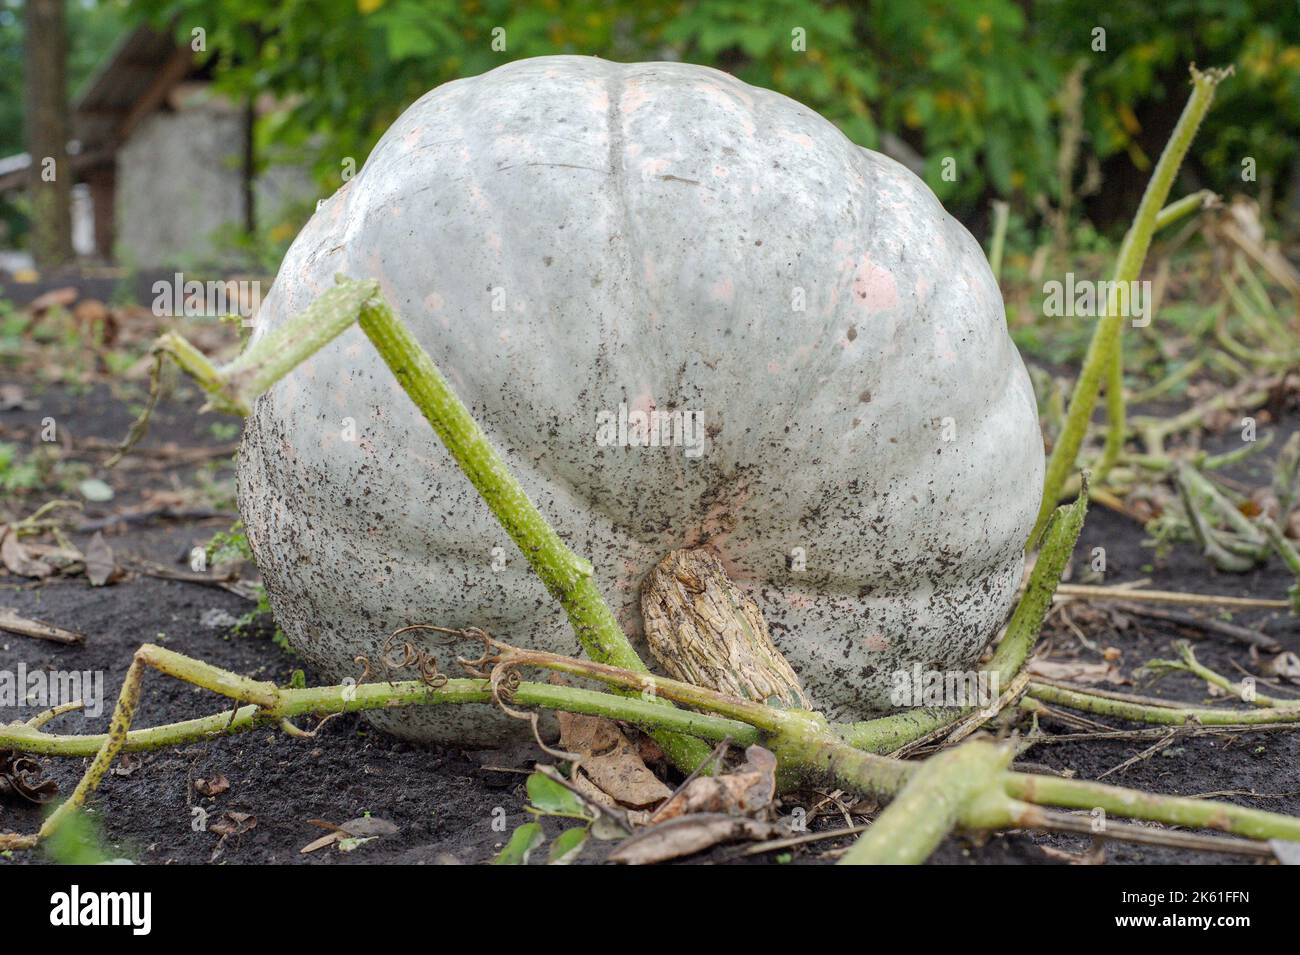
(46, 122)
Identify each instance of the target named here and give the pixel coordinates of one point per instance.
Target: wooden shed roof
(131, 83)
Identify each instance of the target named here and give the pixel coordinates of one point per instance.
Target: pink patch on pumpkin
(635, 95)
(943, 346)
(724, 290)
(644, 402)
(652, 168)
(873, 286)
(923, 289)
(797, 601)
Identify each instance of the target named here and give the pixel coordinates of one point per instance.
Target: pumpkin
(587, 249)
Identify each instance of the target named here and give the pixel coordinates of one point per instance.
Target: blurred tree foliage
(976, 81)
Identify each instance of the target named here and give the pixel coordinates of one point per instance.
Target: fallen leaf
(687, 835)
(326, 840)
(233, 824)
(63, 559)
(747, 791)
(126, 764)
(101, 569)
(348, 835)
(1095, 855)
(212, 787)
(352, 842)
(54, 298)
(21, 776)
(91, 311)
(93, 489)
(1285, 666)
(16, 558)
(14, 398)
(1076, 671)
(1285, 851)
(611, 761)
(368, 827)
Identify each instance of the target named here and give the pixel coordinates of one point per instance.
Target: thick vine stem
(1104, 356)
(234, 387)
(1133, 251)
(807, 749)
(348, 698)
(1173, 715)
(1191, 665)
(1133, 804)
(1188, 205)
(567, 576)
(946, 786)
(1287, 551)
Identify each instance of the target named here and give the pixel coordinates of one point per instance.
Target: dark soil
(445, 801)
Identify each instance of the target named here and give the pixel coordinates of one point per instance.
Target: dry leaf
(126, 764)
(212, 787)
(367, 827)
(1096, 854)
(748, 791)
(14, 398)
(361, 829)
(1285, 851)
(1076, 671)
(101, 569)
(610, 760)
(54, 298)
(688, 835)
(16, 559)
(21, 775)
(1285, 666)
(326, 840)
(61, 558)
(233, 824)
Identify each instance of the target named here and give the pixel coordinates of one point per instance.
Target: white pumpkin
(575, 241)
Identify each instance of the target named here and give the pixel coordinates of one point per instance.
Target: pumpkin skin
(872, 463)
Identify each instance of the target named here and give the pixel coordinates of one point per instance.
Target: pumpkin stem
(1104, 350)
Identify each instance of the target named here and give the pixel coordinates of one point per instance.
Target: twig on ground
(12, 622)
(1235, 632)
